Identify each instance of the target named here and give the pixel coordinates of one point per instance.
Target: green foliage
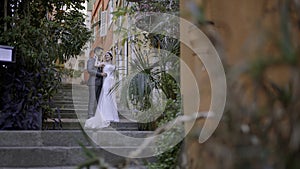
(43, 33)
(92, 158)
(169, 159)
(155, 75)
(165, 6)
(38, 37)
(70, 73)
(165, 43)
(26, 96)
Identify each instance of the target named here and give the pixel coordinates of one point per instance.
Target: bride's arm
(113, 70)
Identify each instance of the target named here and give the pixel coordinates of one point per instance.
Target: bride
(106, 111)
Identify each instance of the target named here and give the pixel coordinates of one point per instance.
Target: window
(81, 65)
(103, 27)
(111, 9)
(94, 29)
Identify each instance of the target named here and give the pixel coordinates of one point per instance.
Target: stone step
(83, 98)
(82, 92)
(71, 106)
(70, 115)
(62, 102)
(74, 90)
(70, 94)
(82, 113)
(75, 87)
(73, 115)
(72, 110)
(133, 166)
(70, 98)
(77, 126)
(61, 148)
(58, 156)
(72, 124)
(69, 85)
(67, 103)
(73, 96)
(69, 138)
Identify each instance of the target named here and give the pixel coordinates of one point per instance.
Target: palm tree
(148, 76)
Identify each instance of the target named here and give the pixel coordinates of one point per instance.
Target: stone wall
(248, 35)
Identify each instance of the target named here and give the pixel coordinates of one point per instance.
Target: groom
(95, 79)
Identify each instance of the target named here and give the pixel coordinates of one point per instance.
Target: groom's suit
(94, 83)
(99, 82)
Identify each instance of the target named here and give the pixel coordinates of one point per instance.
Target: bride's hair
(110, 54)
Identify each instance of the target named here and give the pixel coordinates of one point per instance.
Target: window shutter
(103, 28)
(99, 18)
(111, 9)
(94, 29)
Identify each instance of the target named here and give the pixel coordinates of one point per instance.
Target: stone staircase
(59, 145)
(72, 101)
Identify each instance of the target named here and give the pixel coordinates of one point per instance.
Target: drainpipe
(5, 14)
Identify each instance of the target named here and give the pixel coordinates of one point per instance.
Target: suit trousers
(92, 101)
(98, 92)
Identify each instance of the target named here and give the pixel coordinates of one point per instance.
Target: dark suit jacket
(99, 78)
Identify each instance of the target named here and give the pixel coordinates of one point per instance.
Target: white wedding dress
(106, 111)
